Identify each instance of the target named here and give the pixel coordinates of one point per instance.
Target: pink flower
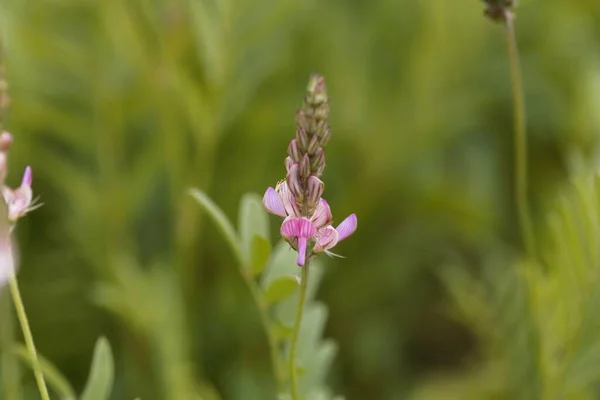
(298, 229)
(20, 201)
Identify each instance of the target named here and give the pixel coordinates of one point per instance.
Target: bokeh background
(120, 106)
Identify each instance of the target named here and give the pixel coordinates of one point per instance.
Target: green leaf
(219, 217)
(319, 366)
(252, 221)
(100, 380)
(261, 249)
(281, 288)
(55, 378)
(280, 331)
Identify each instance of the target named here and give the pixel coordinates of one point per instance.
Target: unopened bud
(302, 120)
(288, 163)
(293, 181)
(318, 161)
(294, 151)
(313, 145)
(302, 137)
(5, 141)
(314, 190)
(304, 167)
(499, 10)
(316, 90)
(326, 136)
(322, 112)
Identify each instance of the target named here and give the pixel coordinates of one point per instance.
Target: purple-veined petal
(326, 239)
(315, 188)
(289, 200)
(288, 163)
(347, 227)
(293, 180)
(322, 216)
(272, 203)
(298, 227)
(301, 251)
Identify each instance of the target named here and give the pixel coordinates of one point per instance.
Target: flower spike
(298, 198)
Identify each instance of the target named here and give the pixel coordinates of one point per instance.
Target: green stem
(525, 222)
(296, 332)
(20, 309)
(520, 139)
(10, 367)
(264, 319)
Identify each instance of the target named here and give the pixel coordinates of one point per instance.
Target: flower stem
(296, 332)
(264, 319)
(10, 368)
(20, 308)
(520, 139)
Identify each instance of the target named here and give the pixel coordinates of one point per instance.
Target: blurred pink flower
(20, 201)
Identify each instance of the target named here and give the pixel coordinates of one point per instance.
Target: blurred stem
(22, 315)
(10, 367)
(520, 139)
(256, 295)
(264, 317)
(296, 332)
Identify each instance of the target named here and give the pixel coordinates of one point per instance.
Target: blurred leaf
(100, 379)
(280, 289)
(319, 367)
(252, 221)
(219, 217)
(280, 331)
(261, 249)
(55, 378)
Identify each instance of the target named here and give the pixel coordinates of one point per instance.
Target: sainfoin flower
(17, 203)
(298, 229)
(298, 199)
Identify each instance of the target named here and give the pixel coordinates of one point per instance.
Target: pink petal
(347, 227)
(301, 251)
(289, 200)
(293, 180)
(298, 227)
(326, 239)
(27, 177)
(8, 194)
(322, 216)
(21, 201)
(288, 163)
(272, 203)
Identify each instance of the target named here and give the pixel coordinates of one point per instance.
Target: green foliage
(100, 380)
(279, 295)
(539, 321)
(120, 106)
(280, 288)
(57, 382)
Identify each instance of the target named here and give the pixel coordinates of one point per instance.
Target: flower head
(20, 201)
(17, 203)
(499, 10)
(298, 198)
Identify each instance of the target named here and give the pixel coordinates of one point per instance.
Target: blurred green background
(120, 106)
